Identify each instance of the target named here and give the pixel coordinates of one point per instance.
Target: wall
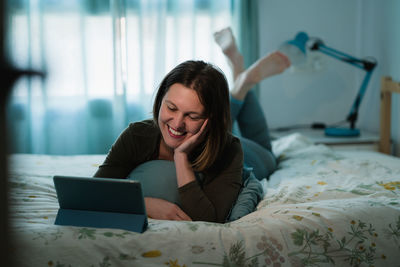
(380, 35)
(393, 48)
(390, 44)
(326, 91)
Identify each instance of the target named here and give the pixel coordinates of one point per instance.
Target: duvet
(321, 208)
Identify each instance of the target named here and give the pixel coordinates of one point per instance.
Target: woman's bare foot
(272, 64)
(225, 39)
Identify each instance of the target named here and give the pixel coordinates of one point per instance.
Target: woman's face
(181, 115)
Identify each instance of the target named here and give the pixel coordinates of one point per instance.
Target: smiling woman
(191, 126)
(192, 118)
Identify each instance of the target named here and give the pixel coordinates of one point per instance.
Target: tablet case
(100, 202)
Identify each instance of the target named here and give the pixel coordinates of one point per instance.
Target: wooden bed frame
(388, 86)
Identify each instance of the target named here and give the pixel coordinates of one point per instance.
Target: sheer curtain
(103, 61)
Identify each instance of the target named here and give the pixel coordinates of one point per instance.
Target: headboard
(388, 86)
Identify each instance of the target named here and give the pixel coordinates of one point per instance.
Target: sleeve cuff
(188, 186)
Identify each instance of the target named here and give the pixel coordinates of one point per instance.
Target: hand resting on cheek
(193, 141)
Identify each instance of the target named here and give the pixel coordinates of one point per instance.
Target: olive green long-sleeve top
(209, 200)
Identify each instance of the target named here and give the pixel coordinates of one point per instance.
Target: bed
(322, 207)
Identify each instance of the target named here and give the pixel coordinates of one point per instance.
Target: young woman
(191, 126)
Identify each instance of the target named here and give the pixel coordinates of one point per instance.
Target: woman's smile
(175, 133)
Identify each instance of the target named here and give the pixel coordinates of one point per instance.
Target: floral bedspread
(322, 208)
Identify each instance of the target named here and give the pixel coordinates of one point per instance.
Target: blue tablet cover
(100, 202)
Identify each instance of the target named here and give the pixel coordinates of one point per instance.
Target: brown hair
(212, 89)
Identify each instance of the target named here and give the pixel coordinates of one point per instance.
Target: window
(104, 61)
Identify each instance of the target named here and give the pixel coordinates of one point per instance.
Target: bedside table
(365, 141)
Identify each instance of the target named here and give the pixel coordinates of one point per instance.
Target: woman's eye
(195, 118)
(171, 108)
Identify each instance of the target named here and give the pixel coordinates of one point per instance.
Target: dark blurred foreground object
(8, 76)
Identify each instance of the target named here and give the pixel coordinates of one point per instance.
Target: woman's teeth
(175, 132)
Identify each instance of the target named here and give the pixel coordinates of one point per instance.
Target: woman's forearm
(184, 170)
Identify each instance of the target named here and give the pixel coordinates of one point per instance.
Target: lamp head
(300, 41)
(295, 49)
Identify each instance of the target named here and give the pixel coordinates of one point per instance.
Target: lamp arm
(353, 114)
(366, 65)
(359, 63)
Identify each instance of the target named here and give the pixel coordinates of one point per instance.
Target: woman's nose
(179, 121)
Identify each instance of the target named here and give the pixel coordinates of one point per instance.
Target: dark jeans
(254, 135)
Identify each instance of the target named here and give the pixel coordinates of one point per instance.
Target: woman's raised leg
(225, 39)
(245, 108)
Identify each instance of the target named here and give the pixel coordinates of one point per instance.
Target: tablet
(100, 202)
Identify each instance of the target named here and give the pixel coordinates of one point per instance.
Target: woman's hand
(194, 140)
(161, 209)
(184, 171)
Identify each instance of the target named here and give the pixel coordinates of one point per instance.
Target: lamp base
(346, 132)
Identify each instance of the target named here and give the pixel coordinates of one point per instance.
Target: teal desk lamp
(300, 42)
